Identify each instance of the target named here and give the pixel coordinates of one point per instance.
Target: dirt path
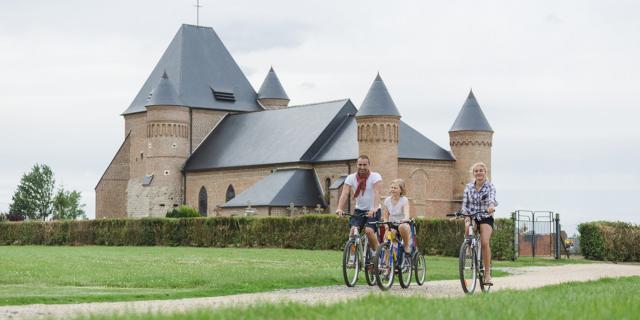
(525, 278)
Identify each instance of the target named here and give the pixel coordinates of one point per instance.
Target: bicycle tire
(369, 273)
(405, 271)
(420, 267)
(467, 268)
(350, 279)
(383, 266)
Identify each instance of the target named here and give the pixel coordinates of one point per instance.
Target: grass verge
(583, 300)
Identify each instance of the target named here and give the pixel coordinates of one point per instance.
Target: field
(45, 274)
(583, 300)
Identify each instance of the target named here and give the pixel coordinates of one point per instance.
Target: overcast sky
(559, 82)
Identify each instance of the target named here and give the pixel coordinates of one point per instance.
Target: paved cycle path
(521, 279)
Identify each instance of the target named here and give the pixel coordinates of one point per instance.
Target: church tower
(167, 136)
(378, 121)
(470, 139)
(271, 94)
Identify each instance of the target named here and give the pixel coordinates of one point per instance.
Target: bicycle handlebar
(459, 213)
(395, 223)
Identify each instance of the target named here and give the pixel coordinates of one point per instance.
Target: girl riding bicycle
(396, 209)
(479, 197)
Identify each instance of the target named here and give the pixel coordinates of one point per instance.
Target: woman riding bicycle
(479, 197)
(396, 209)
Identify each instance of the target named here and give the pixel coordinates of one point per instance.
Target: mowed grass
(603, 299)
(45, 274)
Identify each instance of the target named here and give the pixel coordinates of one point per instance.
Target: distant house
(198, 133)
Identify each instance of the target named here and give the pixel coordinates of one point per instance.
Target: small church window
(202, 202)
(231, 193)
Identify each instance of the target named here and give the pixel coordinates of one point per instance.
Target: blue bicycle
(390, 259)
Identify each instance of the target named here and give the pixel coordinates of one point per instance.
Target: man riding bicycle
(366, 186)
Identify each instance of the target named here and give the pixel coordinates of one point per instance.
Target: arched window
(231, 193)
(202, 202)
(327, 192)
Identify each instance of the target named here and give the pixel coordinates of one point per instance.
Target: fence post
(558, 238)
(516, 248)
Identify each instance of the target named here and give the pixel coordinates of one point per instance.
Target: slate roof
(320, 132)
(199, 64)
(471, 117)
(411, 145)
(297, 186)
(378, 101)
(271, 87)
(164, 94)
(294, 134)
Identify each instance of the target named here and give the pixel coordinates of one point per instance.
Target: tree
(66, 205)
(33, 197)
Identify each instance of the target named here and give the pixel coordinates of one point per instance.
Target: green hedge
(613, 241)
(440, 237)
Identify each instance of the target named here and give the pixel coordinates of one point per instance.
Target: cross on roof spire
(198, 6)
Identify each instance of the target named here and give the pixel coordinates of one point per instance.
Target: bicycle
(352, 260)
(390, 258)
(470, 259)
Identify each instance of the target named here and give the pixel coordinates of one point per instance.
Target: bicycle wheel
(350, 263)
(468, 270)
(369, 273)
(405, 270)
(383, 266)
(420, 267)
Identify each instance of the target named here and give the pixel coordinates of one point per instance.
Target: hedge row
(440, 237)
(613, 241)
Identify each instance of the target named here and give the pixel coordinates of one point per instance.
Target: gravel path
(526, 278)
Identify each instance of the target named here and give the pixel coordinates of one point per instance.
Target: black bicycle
(390, 259)
(353, 259)
(471, 267)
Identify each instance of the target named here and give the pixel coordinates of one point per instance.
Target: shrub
(183, 211)
(613, 241)
(315, 231)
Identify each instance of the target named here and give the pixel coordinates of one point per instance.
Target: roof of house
(271, 87)
(471, 117)
(203, 73)
(281, 188)
(164, 94)
(378, 101)
(320, 132)
(287, 135)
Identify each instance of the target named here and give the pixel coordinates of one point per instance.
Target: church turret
(167, 128)
(378, 122)
(470, 138)
(271, 94)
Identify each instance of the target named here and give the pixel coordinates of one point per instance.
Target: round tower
(470, 139)
(378, 122)
(271, 94)
(167, 148)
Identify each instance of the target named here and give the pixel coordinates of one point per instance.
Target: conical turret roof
(378, 102)
(203, 74)
(164, 94)
(471, 117)
(272, 88)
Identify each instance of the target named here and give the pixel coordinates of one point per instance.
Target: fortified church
(197, 133)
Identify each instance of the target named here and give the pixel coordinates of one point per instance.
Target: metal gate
(537, 233)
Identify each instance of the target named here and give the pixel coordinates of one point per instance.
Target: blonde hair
(400, 184)
(478, 164)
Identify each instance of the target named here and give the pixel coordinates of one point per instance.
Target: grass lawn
(583, 300)
(45, 274)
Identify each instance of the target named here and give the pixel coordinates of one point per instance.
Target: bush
(314, 232)
(613, 241)
(183, 211)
